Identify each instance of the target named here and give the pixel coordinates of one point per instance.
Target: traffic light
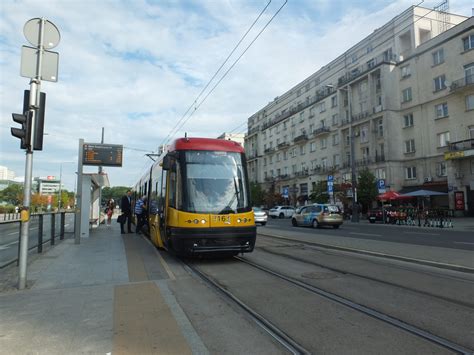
(24, 133)
(39, 118)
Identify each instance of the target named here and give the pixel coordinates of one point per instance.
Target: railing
(269, 150)
(466, 144)
(379, 158)
(283, 145)
(301, 138)
(57, 222)
(460, 83)
(321, 130)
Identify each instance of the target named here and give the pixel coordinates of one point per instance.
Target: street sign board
(102, 154)
(32, 32)
(284, 192)
(49, 64)
(381, 186)
(330, 178)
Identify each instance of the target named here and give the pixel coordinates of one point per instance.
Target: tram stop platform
(109, 294)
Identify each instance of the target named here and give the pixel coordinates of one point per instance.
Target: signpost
(42, 34)
(331, 188)
(381, 186)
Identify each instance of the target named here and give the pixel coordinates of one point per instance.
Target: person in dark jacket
(126, 206)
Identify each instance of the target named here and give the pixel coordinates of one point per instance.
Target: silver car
(260, 215)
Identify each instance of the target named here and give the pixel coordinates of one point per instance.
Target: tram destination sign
(102, 154)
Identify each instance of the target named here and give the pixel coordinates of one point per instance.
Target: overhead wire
(169, 136)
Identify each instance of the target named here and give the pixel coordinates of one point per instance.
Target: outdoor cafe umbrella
(389, 195)
(423, 193)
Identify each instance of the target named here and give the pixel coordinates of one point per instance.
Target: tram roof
(223, 145)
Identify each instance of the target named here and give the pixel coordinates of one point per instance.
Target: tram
(199, 199)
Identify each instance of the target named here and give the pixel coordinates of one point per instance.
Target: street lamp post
(355, 206)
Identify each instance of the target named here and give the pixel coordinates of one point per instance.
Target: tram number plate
(222, 219)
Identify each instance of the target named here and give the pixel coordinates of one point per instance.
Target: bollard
(40, 234)
(53, 227)
(63, 219)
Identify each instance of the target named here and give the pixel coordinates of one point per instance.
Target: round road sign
(51, 34)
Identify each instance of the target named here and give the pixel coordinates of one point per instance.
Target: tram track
(374, 279)
(440, 341)
(442, 266)
(276, 333)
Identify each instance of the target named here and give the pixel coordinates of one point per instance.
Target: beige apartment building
(404, 96)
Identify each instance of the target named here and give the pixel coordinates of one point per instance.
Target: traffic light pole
(25, 213)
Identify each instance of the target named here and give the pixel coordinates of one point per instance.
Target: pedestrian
(140, 212)
(126, 207)
(109, 210)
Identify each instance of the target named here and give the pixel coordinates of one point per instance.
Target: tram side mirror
(166, 162)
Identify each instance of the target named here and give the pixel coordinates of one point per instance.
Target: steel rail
(365, 310)
(276, 333)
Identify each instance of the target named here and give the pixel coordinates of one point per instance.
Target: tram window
(172, 190)
(161, 204)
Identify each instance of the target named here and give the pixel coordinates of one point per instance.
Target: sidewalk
(97, 298)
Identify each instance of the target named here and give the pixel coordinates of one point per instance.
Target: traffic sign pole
(34, 30)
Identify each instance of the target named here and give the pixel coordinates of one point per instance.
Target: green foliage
(366, 188)
(115, 192)
(257, 194)
(13, 194)
(320, 192)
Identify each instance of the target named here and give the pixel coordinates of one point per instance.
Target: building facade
(394, 103)
(6, 174)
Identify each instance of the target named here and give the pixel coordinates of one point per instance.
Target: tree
(320, 192)
(115, 192)
(13, 194)
(256, 194)
(366, 188)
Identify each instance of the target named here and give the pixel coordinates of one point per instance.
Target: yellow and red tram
(199, 199)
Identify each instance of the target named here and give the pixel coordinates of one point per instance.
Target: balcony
(283, 177)
(462, 84)
(460, 149)
(268, 150)
(304, 172)
(283, 145)
(321, 131)
(379, 158)
(301, 138)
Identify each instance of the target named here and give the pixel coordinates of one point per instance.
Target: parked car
(260, 215)
(281, 212)
(375, 215)
(318, 215)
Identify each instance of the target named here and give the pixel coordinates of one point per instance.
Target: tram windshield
(215, 182)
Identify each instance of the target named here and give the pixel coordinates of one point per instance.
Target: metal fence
(53, 223)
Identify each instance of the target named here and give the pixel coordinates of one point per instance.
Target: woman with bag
(109, 210)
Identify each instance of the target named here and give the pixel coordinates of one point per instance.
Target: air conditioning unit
(428, 179)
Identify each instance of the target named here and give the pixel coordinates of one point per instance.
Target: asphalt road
(9, 234)
(437, 237)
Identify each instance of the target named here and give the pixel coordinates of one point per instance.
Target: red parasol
(389, 195)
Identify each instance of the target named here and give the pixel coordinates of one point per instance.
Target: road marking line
(421, 233)
(12, 233)
(463, 243)
(367, 234)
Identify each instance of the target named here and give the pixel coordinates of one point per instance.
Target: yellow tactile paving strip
(143, 323)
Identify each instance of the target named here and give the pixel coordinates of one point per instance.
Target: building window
(311, 112)
(322, 107)
(468, 42)
(364, 134)
(335, 119)
(293, 153)
(470, 102)
(469, 73)
(410, 173)
(439, 83)
(438, 57)
(271, 159)
(406, 72)
(324, 162)
(408, 120)
(441, 110)
(302, 116)
(324, 143)
(410, 146)
(442, 169)
(312, 147)
(406, 95)
(380, 127)
(371, 63)
(354, 58)
(443, 139)
(336, 160)
(311, 128)
(303, 149)
(278, 158)
(285, 155)
(335, 139)
(380, 173)
(334, 101)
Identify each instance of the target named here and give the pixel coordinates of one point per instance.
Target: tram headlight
(203, 221)
(239, 220)
(196, 221)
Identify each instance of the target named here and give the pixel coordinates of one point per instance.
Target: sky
(135, 67)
